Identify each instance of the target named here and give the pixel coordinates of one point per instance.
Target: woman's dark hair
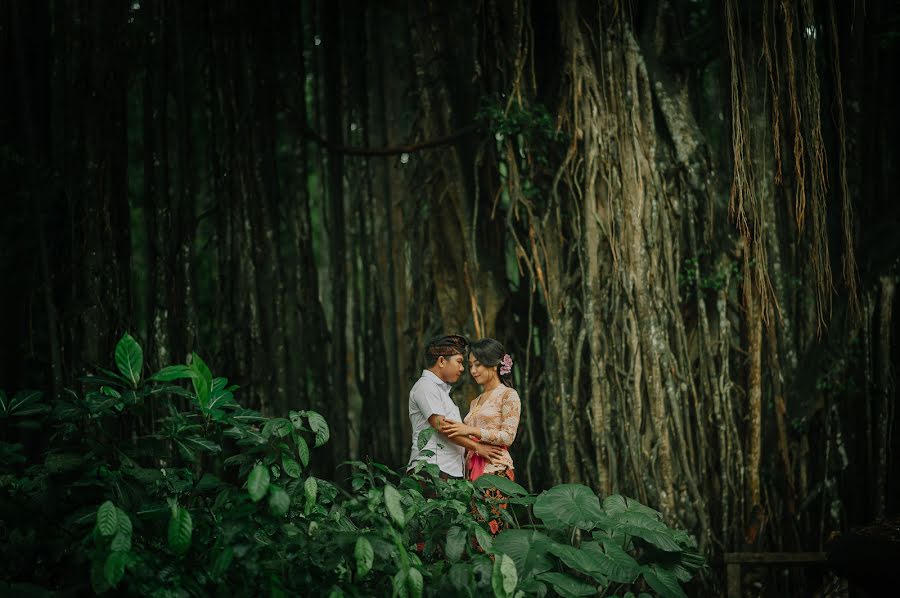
(490, 352)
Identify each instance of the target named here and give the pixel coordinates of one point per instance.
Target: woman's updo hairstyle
(490, 353)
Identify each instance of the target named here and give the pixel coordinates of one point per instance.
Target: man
(430, 403)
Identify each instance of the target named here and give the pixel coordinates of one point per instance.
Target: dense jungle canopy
(679, 216)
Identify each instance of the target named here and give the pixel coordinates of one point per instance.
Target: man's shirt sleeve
(427, 399)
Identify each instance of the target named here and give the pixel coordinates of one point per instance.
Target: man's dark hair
(444, 345)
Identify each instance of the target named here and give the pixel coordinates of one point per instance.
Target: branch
(313, 135)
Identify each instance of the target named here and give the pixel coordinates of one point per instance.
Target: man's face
(451, 368)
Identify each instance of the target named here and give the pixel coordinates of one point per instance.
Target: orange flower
(495, 527)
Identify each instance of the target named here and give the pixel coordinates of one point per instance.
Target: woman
(493, 417)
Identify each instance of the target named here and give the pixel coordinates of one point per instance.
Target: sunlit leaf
(129, 359)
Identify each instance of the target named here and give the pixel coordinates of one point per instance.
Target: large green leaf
(617, 503)
(120, 543)
(114, 567)
(501, 483)
(279, 501)
(570, 505)
(485, 540)
(221, 562)
(302, 449)
(311, 490)
(643, 526)
(365, 556)
(130, 359)
(123, 523)
(290, 466)
(107, 519)
(25, 402)
(566, 585)
(319, 426)
(663, 581)
(181, 529)
(202, 380)
(460, 576)
(580, 560)
(201, 444)
(504, 577)
(415, 583)
(612, 561)
(456, 543)
(527, 549)
(394, 508)
(258, 482)
(172, 372)
(278, 426)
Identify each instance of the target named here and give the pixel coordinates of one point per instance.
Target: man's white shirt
(431, 396)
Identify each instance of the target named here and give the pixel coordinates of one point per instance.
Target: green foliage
(712, 277)
(181, 511)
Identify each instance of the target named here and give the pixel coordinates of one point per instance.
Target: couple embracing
(477, 445)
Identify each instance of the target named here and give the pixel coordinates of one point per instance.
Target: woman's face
(480, 373)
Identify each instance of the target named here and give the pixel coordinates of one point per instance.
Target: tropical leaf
(25, 402)
(258, 482)
(221, 562)
(202, 380)
(201, 444)
(485, 540)
(580, 560)
(617, 503)
(504, 577)
(319, 426)
(120, 543)
(663, 581)
(570, 505)
(279, 501)
(291, 467)
(172, 372)
(612, 561)
(501, 483)
(181, 529)
(278, 426)
(566, 585)
(527, 548)
(456, 543)
(302, 449)
(415, 583)
(114, 567)
(107, 519)
(311, 490)
(643, 526)
(129, 359)
(394, 508)
(365, 556)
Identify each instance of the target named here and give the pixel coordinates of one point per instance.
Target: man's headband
(444, 346)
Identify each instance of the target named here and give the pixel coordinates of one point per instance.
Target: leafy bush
(218, 500)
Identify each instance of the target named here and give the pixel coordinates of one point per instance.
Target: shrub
(166, 486)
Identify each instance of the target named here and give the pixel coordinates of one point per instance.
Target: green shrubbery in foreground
(217, 501)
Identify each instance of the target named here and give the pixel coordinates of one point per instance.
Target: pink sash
(477, 463)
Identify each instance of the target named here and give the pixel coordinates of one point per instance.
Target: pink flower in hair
(506, 364)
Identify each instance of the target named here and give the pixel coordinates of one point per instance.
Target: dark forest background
(680, 217)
